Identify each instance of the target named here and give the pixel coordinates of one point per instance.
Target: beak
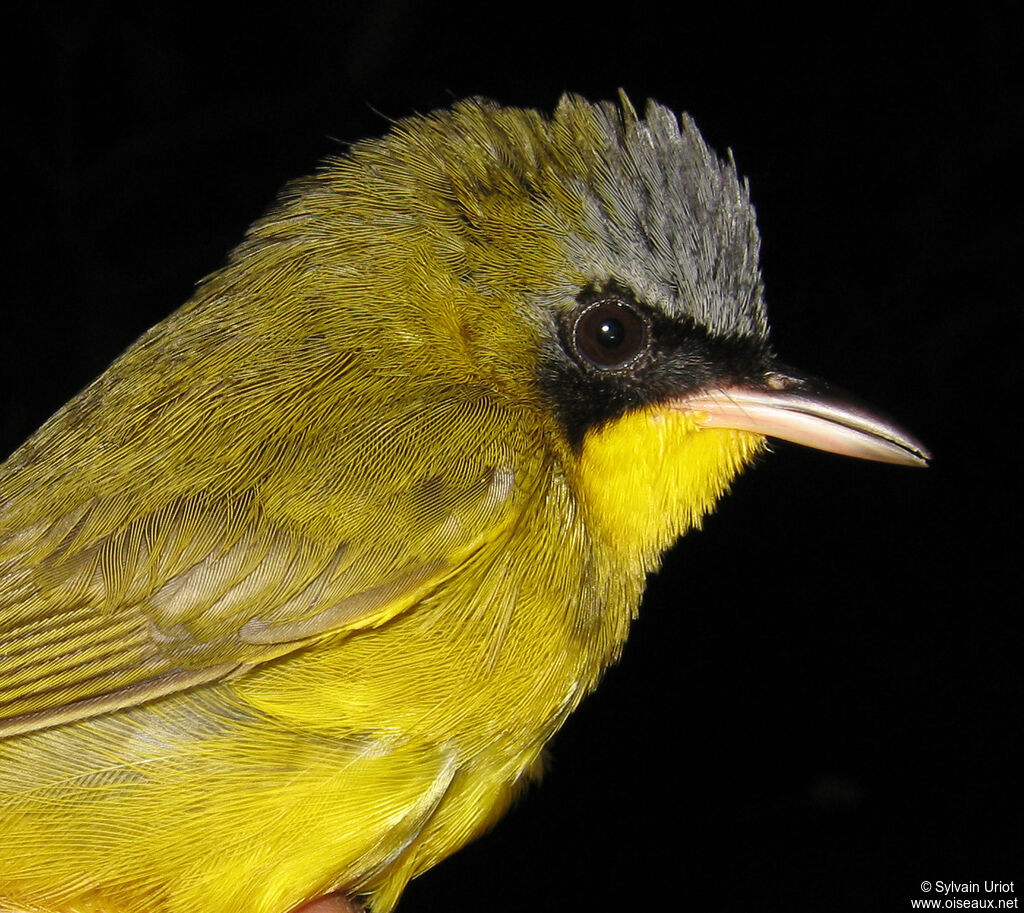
(807, 411)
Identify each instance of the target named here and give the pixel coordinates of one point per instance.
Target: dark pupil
(611, 333)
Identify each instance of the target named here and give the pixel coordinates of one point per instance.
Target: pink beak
(808, 412)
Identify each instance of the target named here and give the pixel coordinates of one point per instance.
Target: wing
(113, 601)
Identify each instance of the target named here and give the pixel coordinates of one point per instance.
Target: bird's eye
(609, 333)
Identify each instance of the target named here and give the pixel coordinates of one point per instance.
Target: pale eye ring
(609, 334)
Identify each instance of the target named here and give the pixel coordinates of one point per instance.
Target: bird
(294, 595)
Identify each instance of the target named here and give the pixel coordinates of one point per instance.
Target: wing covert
(93, 619)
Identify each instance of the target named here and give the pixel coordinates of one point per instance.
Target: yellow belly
(349, 765)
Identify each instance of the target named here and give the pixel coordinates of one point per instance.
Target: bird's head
(596, 270)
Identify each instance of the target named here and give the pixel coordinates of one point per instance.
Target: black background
(819, 707)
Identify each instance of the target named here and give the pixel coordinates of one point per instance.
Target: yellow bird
(295, 593)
